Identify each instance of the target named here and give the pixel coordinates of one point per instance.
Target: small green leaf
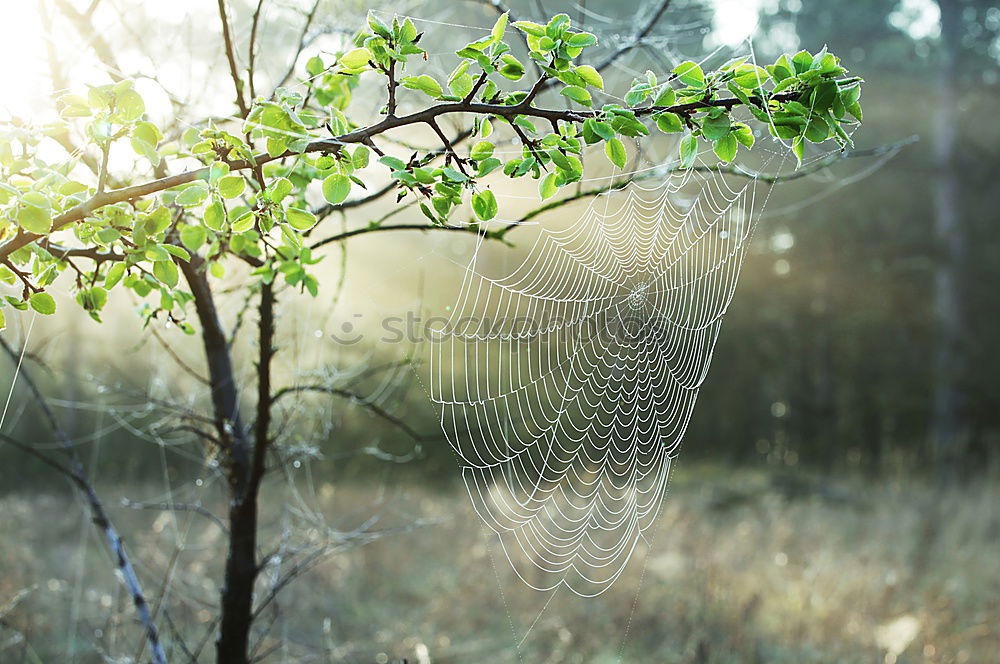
(35, 219)
(743, 134)
(669, 122)
(424, 83)
(716, 128)
(231, 186)
(129, 107)
(357, 58)
(193, 236)
(581, 39)
(336, 188)
(243, 221)
(481, 150)
(529, 28)
(484, 204)
(615, 152)
(166, 272)
(823, 95)
(215, 216)
(299, 219)
(798, 149)
(193, 195)
(360, 157)
(499, 27)
(689, 150)
(750, 76)
(278, 189)
(666, 96)
(725, 147)
(690, 73)
(547, 188)
(591, 76)
(114, 275)
(577, 94)
(42, 303)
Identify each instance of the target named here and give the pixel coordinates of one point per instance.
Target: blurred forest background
(836, 496)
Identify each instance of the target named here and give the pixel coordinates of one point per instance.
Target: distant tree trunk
(950, 237)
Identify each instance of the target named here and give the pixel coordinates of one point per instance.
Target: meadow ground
(746, 566)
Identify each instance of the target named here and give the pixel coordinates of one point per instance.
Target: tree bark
(236, 601)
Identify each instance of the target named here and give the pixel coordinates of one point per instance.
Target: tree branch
(75, 472)
(234, 72)
(347, 394)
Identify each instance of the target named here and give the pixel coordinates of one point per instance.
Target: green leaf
(231, 186)
(193, 236)
(166, 272)
(215, 216)
(690, 73)
(484, 204)
(750, 76)
(665, 97)
(577, 94)
(591, 76)
(315, 67)
(615, 152)
(360, 158)
(336, 188)
(817, 130)
(129, 107)
(114, 275)
(499, 27)
(357, 58)
(42, 303)
(299, 219)
(193, 195)
(481, 150)
(423, 83)
(529, 28)
(743, 134)
(669, 123)
(716, 128)
(35, 219)
(92, 299)
(581, 39)
(278, 189)
(823, 95)
(725, 147)
(243, 221)
(798, 148)
(180, 252)
(855, 110)
(547, 188)
(689, 150)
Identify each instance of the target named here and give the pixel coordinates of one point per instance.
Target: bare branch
(354, 398)
(196, 508)
(302, 44)
(251, 50)
(234, 72)
(75, 472)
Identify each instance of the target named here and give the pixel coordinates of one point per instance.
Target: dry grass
(745, 567)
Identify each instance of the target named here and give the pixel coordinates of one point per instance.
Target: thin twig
(75, 472)
(234, 72)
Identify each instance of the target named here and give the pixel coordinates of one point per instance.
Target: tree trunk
(951, 241)
(232, 644)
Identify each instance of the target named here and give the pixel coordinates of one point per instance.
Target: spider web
(565, 386)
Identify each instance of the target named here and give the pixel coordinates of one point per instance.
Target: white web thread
(567, 410)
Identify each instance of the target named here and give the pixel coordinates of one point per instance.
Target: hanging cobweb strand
(565, 387)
